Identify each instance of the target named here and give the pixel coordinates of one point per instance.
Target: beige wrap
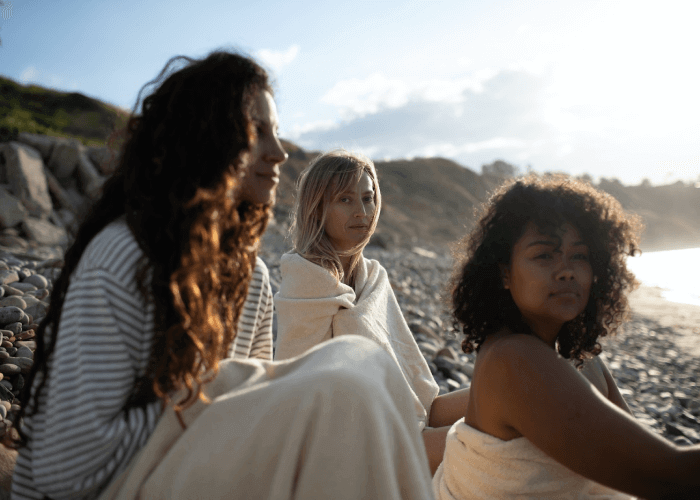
(312, 307)
(335, 423)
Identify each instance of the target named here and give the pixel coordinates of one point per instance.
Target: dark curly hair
(176, 184)
(482, 306)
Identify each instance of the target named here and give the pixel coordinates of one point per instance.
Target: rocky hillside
(53, 162)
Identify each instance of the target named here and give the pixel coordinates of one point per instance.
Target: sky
(607, 88)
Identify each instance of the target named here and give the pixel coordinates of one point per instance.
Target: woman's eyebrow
(550, 243)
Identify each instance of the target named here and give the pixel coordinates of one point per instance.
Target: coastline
(684, 319)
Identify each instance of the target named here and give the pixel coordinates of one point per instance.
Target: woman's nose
(276, 153)
(565, 271)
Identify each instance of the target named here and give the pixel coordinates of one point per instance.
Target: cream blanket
(335, 423)
(478, 465)
(312, 307)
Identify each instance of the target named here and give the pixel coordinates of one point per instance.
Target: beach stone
(25, 352)
(37, 310)
(30, 344)
(12, 212)
(4, 355)
(9, 369)
(39, 294)
(37, 280)
(23, 286)
(15, 327)
(13, 300)
(64, 158)
(25, 173)
(23, 274)
(25, 364)
(10, 314)
(3, 412)
(29, 301)
(44, 233)
(8, 276)
(10, 290)
(26, 335)
(5, 393)
(42, 143)
(7, 344)
(7, 386)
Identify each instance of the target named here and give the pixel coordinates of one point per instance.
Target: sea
(676, 272)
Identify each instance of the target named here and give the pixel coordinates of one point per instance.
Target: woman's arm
(82, 436)
(448, 408)
(563, 415)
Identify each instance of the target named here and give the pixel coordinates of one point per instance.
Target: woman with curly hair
(329, 289)
(542, 278)
(130, 394)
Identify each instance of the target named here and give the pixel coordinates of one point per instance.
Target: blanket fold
(313, 307)
(478, 465)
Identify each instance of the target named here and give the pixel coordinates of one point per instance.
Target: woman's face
(349, 216)
(549, 278)
(266, 155)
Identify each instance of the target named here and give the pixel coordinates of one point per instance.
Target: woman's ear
(505, 276)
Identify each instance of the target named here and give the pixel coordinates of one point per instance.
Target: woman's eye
(369, 199)
(544, 256)
(581, 256)
(345, 199)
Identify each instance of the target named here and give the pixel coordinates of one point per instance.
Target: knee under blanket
(312, 307)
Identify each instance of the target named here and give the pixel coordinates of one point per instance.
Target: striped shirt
(81, 438)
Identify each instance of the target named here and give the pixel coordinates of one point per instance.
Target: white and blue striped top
(80, 439)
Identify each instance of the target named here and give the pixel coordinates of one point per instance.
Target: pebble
(10, 314)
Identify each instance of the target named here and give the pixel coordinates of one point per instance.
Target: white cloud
(309, 128)
(276, 59)
(31, 74)
(357, 97)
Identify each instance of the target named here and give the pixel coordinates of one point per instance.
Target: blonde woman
(329, 289)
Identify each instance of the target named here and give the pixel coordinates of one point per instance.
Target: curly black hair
(177, 185)
(482, 306)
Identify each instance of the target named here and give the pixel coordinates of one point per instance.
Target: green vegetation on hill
(34, 109)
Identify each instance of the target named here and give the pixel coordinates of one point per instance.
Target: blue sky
(605, 88)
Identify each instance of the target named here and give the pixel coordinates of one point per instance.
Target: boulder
(60, 195)
(90, 179)
(24, 171)
(64, 158)
(12, 212)
(44, 233)
(103, 159)
(42, 143)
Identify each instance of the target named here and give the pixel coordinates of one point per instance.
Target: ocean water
(677, 272)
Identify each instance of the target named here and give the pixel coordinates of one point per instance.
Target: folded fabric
(334, 423)
(478, 465)
(313, 307)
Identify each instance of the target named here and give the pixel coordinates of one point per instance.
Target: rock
(64, 158)
(37, 280)
(10, 314)
(5, 393)
(8, 276)
(25, 364)
(29, 301)
(15, 328)
(60, 194)
(3, 412)
(13, 300)
(14, 242)
(44, 233)
(37, 310)
(25, 352)
(11, 290)
(12, 211)
(25, 174)
(42, 143)
(9, 369)
(30, 344)
(90, 179)
(26, 335)
(102, 158)
(23, 286)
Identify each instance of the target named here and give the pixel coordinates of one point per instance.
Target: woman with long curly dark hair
(130, 394)
(540, 280)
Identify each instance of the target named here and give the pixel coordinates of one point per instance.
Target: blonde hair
(329, 175)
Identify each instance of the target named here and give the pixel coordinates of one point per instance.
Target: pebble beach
(655, 359)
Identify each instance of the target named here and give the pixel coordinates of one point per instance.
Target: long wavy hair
(482, 306)
(176, 184)
(326, 177)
